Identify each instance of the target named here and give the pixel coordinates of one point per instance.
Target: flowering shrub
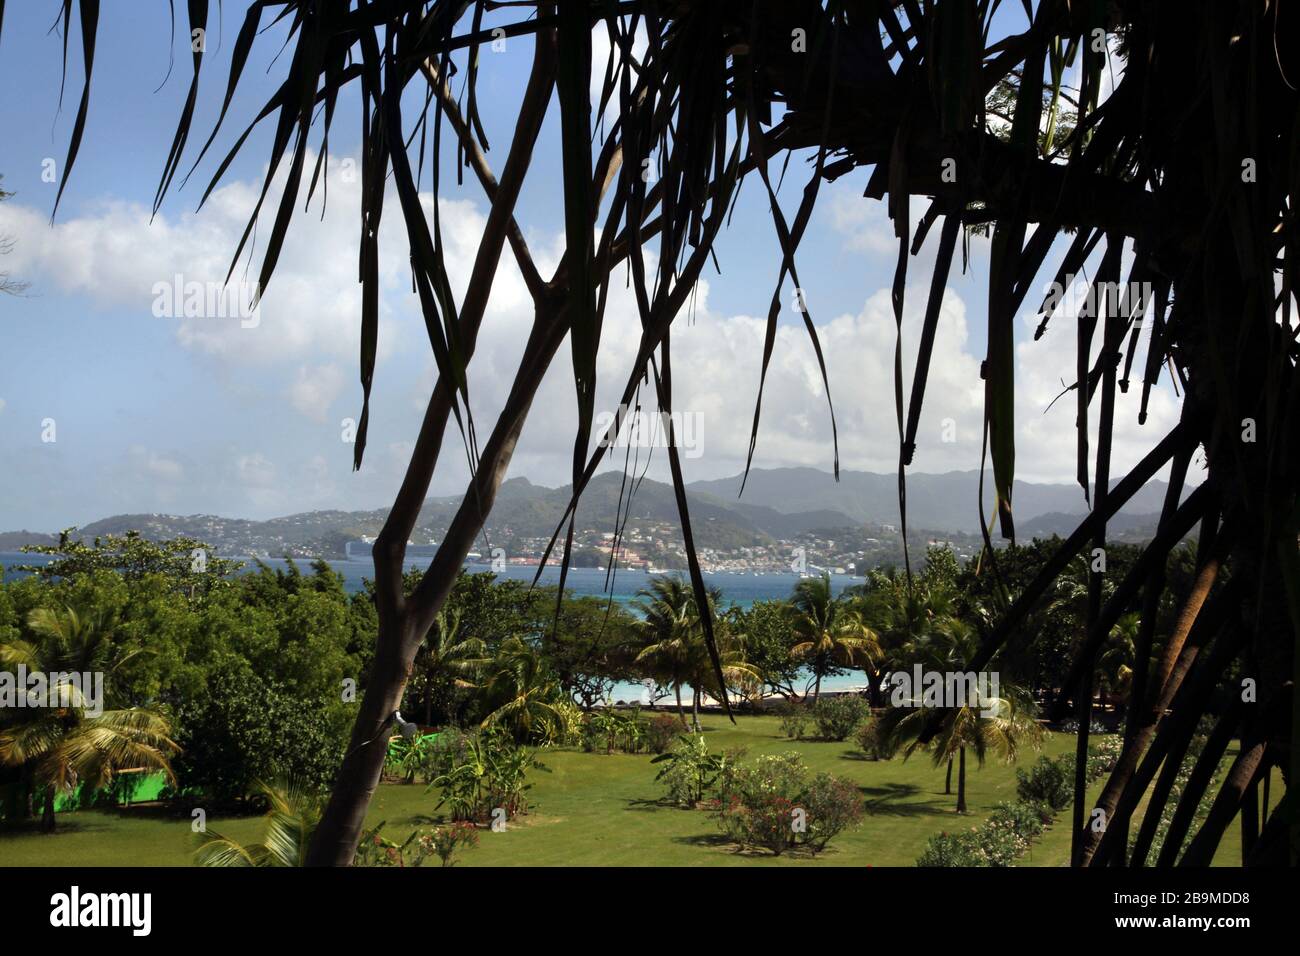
(1027, 819)
(1103, 754)
(837, 717)
(442, 842)
(999, 841)
(834, 804)
(446, 841)
(772, 804)
(660, 731)
(994, 845)
(764, 820)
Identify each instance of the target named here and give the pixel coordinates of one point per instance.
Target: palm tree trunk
(947, 781)
(404, 621)
(1249, 821)
(681, 714)
(817, 689)
(695, 709)
(961, 780)
(47, 811)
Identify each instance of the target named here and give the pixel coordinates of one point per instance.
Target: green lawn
(598, 810)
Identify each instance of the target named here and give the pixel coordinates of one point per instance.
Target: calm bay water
(741, 589)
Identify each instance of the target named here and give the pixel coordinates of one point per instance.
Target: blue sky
(157, 414)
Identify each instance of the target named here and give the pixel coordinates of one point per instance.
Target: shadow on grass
(896, 800)
(29, 828)
(658, 803)
(720, 841)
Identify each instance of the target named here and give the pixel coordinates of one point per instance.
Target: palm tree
(1000, 725)
(901, 613)
(1115, 664)
(291, 821)
(678, 651)
(1011, 725)
(525, 692)
(667, 608)
(830, 633)
(446, 655)
(70, 740)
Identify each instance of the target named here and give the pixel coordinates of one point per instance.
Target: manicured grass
(603, 810)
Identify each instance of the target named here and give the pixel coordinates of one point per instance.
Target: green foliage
(408, 757)
(187, 562)
(482, 772)
(765, 636)
(291, 819)
(771, 803)
(660, 731)
(998, 842)
(246, 729)
(794, 718)
(875, 740)
(1049, 781)
(444, 842)
(692, 771)
(838, 717)
(609, 730)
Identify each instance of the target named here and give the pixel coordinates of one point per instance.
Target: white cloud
(314, 390)
(255, 470)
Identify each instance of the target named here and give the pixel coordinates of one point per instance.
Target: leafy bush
(244, 730)
(997, 842)
(875, 744)
(408, 757)
(772, 804)
(692, 771)
(1103, 754)
(838, 717)
(794, 719)
(1026, 819)
(660, 731)
(947, 849)
(481, 773)
(447, 841)
(1049, 781)
(442, 842)
(833, 804)
(571, 723)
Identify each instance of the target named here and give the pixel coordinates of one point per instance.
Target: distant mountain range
(947, 502)
(778, 504)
